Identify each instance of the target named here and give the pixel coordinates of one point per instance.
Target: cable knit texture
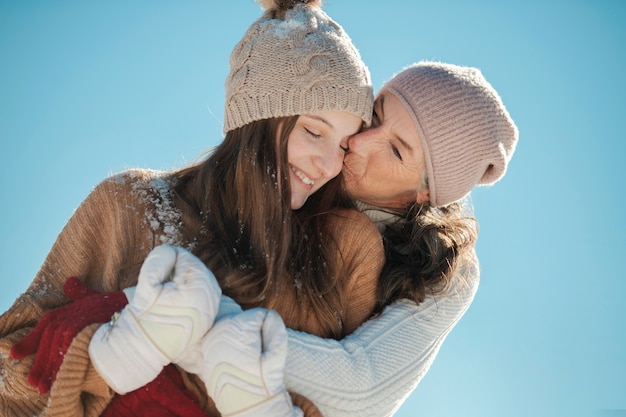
(371, 372)
(105, 243)
(302, 63)
(467, 134)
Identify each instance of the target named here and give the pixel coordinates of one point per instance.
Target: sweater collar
(381, 217)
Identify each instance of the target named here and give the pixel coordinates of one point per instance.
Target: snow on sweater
(105, 243)
(368, 373)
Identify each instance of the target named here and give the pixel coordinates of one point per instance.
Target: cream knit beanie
(295, 62)
(466, 132)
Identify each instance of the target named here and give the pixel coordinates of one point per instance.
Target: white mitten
(243, 359)
(192, 359)
(162, 319)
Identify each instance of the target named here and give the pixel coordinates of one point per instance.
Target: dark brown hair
(252, 240)
(422, 251)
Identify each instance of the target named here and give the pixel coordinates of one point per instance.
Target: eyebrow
(405, 145)
(319, 118)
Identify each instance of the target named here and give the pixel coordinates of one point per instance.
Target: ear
(422, 196)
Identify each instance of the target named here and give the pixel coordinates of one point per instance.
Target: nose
(330, 164)
(358, 143)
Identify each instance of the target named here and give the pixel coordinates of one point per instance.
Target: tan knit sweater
(105, 243)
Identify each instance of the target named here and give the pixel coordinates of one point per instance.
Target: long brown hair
(422, 250)
(252, 240)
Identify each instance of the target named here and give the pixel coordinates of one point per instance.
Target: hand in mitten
(57, 328)
(165, 396)
(243, 362)
(191, 359)
(161, 320)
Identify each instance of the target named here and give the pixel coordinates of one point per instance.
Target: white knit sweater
(372, 371)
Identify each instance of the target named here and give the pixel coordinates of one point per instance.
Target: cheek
(298, 148)
(367, 142)
(376, 166)
(353, 167)
(292, 147)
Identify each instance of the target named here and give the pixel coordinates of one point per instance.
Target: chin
(295, 205)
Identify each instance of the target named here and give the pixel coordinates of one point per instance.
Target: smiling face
(316, 149)
(386, 166)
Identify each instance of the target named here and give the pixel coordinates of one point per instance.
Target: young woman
(260, 212)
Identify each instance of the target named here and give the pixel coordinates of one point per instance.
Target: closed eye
(396, 152)
(313, 135)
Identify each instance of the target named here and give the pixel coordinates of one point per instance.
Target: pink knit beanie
(466, 132)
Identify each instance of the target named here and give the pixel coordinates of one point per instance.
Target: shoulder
(147, 196)
(140, 186)
(360, 257)
(464, 280)
(136, 179)
(350, 223)
(357, 239)
(468, 272)
(133, 196)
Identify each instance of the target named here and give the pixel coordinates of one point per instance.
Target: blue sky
(90, 88)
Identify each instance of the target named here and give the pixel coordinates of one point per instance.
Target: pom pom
(268, 4)
(284, 5)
